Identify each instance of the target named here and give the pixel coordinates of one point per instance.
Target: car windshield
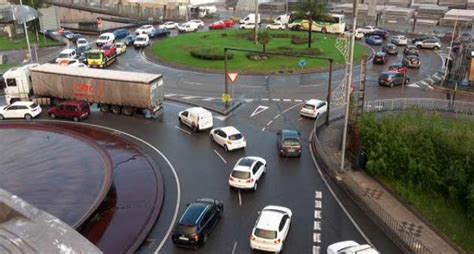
(103, 37)
(291, 142)
(308, 106)
(184, 229)
(235, 136)
(94, 55)
(240, 174)
(34, 105)
(386, 75)
(81, 41)
(267, 234)
(63, 55)
(141, 39)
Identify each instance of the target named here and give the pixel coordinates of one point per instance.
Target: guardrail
(407, 241)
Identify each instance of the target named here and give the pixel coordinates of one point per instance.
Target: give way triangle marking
(258, 110)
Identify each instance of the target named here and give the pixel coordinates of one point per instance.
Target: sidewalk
(400, 223)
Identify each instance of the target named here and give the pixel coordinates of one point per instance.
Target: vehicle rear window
(240, 174)
(63, 55)
(34, 105)
(141, 39)
(308, 106)
(104, 37)
(235, 136)
(291, 142)
(267, 234)
(183, 229)
(386, 75)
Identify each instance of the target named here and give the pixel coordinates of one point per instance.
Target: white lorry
(250, 19)
(350, 247)
(123, 92)
(282, 19)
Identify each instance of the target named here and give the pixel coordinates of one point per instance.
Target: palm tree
(264, 38)
(312, 10)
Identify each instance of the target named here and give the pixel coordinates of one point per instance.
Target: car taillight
(231, 178)
(277, 241)
(250, 180)
(196, 237)
(252, 237)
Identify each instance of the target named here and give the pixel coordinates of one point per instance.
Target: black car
(288, 143)
(129, 39)
(390, 49)
(412, 61)
(380, 58)
(411, 50)
(159, 32)
(81, 53)
(382, 33)
(423, 38)
(392, 78)
(199, 219)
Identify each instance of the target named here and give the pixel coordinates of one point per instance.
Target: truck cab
(96, 58)
(250, 19)
(18, 83)
(282, 19)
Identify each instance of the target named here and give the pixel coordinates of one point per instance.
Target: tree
(312, 10)
(264, 38)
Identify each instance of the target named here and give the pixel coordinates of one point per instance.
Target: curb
(224, 112)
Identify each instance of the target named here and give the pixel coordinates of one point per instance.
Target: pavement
(372, 194)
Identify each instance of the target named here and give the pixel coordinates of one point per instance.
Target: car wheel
(116, 109)
(226, 148)
(418, 46)
(324, 30)
(436, 48)
(28, 117)
(75, 119)
(52, 116)
(255, 186)
(391, 84)
(212, 138)
(181, 121)
(104, 108)
(1, 117)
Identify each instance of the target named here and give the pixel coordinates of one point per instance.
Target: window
(308, 106)
(12, 108)
(11, 82)
(205, 218)
(240, 174)
(267, 234)
(61, 107)
(71, 108)
(291, 142)
(235, 136)
(221, 133)
(22, 107)
(283, 222)
(322, 104)
(34, 105)
(185, 113)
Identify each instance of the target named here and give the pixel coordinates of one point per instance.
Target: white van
(196, 118)
(66, 54)
(314, 108)
(282, 19)
(250, 19)
(105, 38)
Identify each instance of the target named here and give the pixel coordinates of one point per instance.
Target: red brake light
(277, 241)
(250, 180)
(196, 237)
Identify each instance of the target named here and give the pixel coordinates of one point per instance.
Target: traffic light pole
(226, 82)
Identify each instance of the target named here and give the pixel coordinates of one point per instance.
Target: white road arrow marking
(258, 110)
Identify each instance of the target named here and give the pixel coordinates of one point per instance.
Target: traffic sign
(302, 63)
(226, 98)
(233, 76)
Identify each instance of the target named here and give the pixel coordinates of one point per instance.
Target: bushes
(257, 57)
(426, 151)
(210, 54)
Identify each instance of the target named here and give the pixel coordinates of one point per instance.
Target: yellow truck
(97, 58)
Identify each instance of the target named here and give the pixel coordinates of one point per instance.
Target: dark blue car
(121, 33)
(68, 35)
(159, 32)
(374, 40)
(129, 39)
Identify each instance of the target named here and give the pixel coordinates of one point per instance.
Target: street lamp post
(256, 22)
(349, 84)
(450, 50)
(26, 33)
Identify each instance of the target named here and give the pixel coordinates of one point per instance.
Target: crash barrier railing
(406, 240)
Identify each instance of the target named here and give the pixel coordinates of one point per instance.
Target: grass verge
(11, 44)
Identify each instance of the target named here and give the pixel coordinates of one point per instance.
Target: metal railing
(406, 240)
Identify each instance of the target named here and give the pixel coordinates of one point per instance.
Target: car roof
(314, 102)
(270, 217)
(67, 51)
(142, 36)
(230, 130)
(245, 163)
(380, 53)
(193, 213)
(106, 34)
(197, 110)
(286, 133)
(23, 103)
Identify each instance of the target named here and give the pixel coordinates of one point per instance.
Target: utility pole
(349, 84)
(256, 22)
(450, 49)
(26, 33)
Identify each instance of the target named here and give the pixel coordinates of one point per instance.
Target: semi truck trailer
(119, 92)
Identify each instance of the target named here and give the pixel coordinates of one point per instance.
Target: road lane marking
(318, 204)
(287, 100)
(298, 100)
(240, 199)
(264, 99)
(258, 110)
(275, 99)
(316, 238)
(193, 83)
(317, 225)
(220, 156)
(301, 118)
(263, 129)
(274, 118)
(316, 249)
(270, 122)
(283, 112)
(188, 97)
(234, 248)
(318, 195)
(183, 130)
(317, 214)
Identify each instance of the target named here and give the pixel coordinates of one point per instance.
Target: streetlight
(256, 22)
(450, 49)
(349, 83)
(26, 32)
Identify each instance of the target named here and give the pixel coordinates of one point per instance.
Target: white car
(314, 108)
(71, 62)
(199, 22)
(399, 40)
(359, 35)
(66, 55)
(228, 137)
(428, 44)
(121, 47)
(247, 172)
(350, 247)
(247, 26)
(105, 38)
(271, 229)
(366, 29)
(82, 42)
(20, 109)
(145, 29)
(141, 41)
(188, 27)
(196, 118)
(275, 26)
(169, 25)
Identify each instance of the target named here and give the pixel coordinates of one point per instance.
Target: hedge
(210, 54)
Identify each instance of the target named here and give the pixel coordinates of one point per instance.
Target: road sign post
(302, 63)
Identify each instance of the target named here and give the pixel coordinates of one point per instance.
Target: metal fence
(406, 240)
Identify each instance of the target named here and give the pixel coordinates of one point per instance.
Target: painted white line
(193, 83)
(334, 194)
(274, 118)
(311, 85)
(188, 97)
(263, 129)
(240, 199)
(173, 170)
(286, 100)
(270, 122)
(317, 225)
(170, 94)
(318, 195)
(317, 214)
(318, 204)
(298, 100)
(221, 118)
(301, 118)
(234, 248)
(316, 238)
(283, 112)
(275, 99)
(183, 130)
(316, 249)
(264, 99)
(208, 99)
(413, 85)
(220, 156)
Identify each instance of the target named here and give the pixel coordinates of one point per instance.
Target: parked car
(197, 222)
(129, 40)
(228, 23)
(314, 108)
(160, 32)
(121, 33)
(398, 67)
(121, 47)
(76, 37)
(390, 49)
(68, 35)
(392, 78)
(104, 39)
(169, 25)
(188, 27)
(217, 25)
(82, 42)
(382, 33)
(196, 118)
(66, 54)
(198, 22)
(228, 137)
(411, 50)
(365, 29)
(374, 40)
(275, 26)
(81, 53)
(428, 44)
(247, 26)
(288, 143)
(109, 50)
(145, 29)
(141, 41)
(423, 37)
(467, 37)
(247, 172)
(412, 61)
(296, 25)
(350, 247)
(271, 229)
(20, 109)
(74, 110)
(399, 40)
(380, 58)
(448, 37)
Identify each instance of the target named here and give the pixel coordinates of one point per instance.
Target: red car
(109, 50)
(398, 68)
(75, 110)
(217, 25)
(228, 22)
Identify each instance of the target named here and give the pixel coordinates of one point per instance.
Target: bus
(334, 24)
